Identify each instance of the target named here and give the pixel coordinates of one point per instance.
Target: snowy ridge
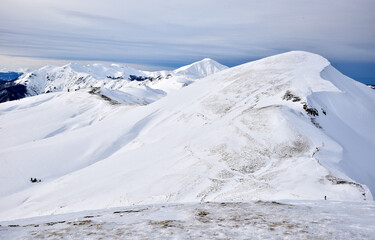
(116, 79)
(284, 127)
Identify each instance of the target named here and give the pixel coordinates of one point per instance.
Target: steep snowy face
(278, 128)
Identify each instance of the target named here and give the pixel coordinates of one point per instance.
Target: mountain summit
(201, 68)
(288, 126)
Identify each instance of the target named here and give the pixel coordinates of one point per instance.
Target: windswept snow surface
(225, 220)
(284, 127)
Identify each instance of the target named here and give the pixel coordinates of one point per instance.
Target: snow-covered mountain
(285, 127)
(200, 69)
(114, 80)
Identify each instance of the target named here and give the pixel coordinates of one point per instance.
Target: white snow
(231, 136)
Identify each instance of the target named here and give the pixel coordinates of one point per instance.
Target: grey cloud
(91, 17)
(169, 32)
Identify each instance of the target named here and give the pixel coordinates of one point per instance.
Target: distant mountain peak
(202, 68)
(206, 60)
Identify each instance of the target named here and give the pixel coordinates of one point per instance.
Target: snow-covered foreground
(284, 127)
(226, 220)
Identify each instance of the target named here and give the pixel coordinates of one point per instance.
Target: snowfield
(285, 127)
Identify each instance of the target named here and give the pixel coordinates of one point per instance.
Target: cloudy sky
(171, 33)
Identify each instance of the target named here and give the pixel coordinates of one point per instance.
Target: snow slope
(284, 127)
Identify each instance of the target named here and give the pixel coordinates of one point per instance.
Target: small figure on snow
(315, 151)
(34, 180)
(325, 197)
